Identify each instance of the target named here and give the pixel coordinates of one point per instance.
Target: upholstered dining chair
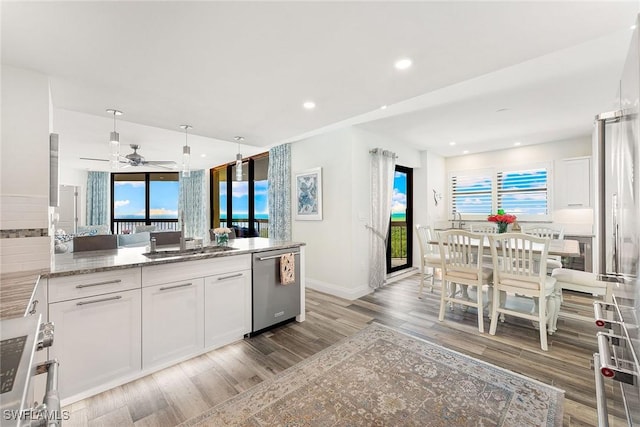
(461, 257)
(99, 242)
(519, 267)
(553, 262)
(429, 255)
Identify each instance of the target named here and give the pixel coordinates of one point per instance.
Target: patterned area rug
(383, 377)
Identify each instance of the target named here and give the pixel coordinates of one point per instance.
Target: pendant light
(114, 141)
(186, 153)
(239, 159)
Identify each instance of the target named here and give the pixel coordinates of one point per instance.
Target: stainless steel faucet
(460, 223)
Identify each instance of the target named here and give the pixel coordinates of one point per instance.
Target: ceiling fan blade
(97, 160)
(161, 162)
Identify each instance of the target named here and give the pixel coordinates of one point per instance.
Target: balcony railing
(129, 226)
(398, 239)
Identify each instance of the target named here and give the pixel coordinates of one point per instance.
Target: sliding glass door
(241, 203)
(399, 240)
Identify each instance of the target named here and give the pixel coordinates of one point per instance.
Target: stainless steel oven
(20, 339)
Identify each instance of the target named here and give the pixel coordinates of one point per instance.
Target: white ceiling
(245, 68)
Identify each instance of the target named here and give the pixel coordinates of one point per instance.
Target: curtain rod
(384, 152)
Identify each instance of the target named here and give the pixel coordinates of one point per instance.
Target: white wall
(24, 175)
(337, 246)
(578, 221)
(430, 176)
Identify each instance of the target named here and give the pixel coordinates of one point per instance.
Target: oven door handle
(50, 408)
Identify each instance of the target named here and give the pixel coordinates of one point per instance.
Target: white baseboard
(338, 291)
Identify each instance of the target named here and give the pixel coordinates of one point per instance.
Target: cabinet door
(172, 321)
(578, 182)
(227, 307)
(97, 339)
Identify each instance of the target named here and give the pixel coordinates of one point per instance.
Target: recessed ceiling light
(309, 105)
(384, 107)
(452, 143)
(203, 155)
(403, 64)
(633, 27)
(517, 143)
(465, 152)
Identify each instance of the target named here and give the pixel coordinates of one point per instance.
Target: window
(246, 207)
(144, 199)
(523, 192)
(471, 193)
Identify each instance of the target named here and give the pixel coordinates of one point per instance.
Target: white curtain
(97, 198)
(191, 204)
(279, 176)
(383, 164)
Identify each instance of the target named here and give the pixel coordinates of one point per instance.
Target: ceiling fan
(135, 159)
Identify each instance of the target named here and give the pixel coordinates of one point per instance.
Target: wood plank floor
(173, 395)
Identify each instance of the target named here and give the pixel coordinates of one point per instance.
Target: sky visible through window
(240, 202)
(399, 198)
(129, 199)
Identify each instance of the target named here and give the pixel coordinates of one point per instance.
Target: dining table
(557, 247)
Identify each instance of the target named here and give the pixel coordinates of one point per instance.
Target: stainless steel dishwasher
(272, 302)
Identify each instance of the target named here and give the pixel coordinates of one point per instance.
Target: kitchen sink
(187, 252)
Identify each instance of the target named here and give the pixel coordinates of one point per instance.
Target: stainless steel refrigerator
(617, 221)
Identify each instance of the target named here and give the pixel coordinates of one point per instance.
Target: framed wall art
(309, 195)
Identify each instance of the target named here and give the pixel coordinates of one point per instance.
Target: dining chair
(486, 228)
(553, 262)
(99, 242)
(489, 228)
(429, 255)
(519, 267)
(461, 255)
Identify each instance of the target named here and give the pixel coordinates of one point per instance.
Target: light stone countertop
(16, 288)
(69, 264)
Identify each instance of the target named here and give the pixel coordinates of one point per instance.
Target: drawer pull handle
(108, 282)
(230, 277)
(184, 285)
(99, 300)
(264, 258)
(574, 204)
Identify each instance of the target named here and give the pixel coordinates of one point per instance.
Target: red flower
(505, 218)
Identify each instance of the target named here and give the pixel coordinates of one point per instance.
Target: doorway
(400, 237)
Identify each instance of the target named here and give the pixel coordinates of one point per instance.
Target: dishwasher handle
(265, 258)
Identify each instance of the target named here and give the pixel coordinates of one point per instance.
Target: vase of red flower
(502, 220)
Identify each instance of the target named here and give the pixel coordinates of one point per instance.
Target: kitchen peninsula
(121, 314)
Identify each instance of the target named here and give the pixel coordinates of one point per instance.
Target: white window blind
(523, 192)
(471, 194)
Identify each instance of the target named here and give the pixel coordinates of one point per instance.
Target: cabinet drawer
(177, 271)
(86, 285)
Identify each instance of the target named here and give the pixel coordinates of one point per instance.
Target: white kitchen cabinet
(573, 183)
(227, 307)
(83, 285)
(172, 321)
(97, 339)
